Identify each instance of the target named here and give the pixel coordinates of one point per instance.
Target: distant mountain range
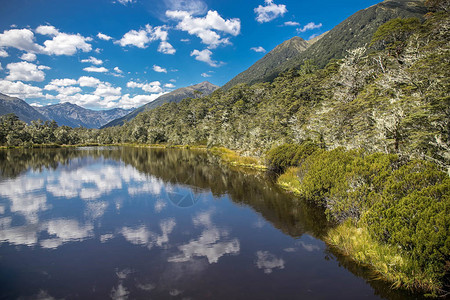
(23, 110)
(356, 31)
(75, 116)
(204, 88)
(64, 114)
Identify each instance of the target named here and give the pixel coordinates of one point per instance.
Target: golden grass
(388, 262)
(232, 158)
(289, 181)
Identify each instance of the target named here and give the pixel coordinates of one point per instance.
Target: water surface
(127, 223)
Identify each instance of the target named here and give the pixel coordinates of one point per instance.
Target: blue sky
(124, 53)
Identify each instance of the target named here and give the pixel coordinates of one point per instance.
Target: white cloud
(92, 60)
(269, 12)
(63, 82)
(63, 43)
(205, 75)
(309, 26)
(19, 89)
(205, 56)
(291, 23)
(35, 104)
(145, 36)
(118, 70)
(139, 39)
(3, 53)
(159, 69)
(194, 7)
(88, 81)
(169, 85)
(166, 48)
(25, 71)
(258, 49)
(22, 39)
(47, 30)
(103, 36)
(185, 40)
(28, 57)
(125, 2)
(152, 87)
(206, 28)
(96, 69)
(138, 100)
(63, 90)
(60, 44)
(105, 89)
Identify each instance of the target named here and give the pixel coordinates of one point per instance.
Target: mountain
(204, 88)
(262, 69)
(75, 116)
(23, 110)
(354, 32)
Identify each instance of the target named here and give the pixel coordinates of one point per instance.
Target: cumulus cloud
(3, 53)
(59, 44)
(166, 48)
(22, 39)
(92, 60)
(205, 75)
(63, 82)
(88, 81)
(309, 26)
(28, 57)
(25, 71)
(152, 87)
(291, 23)
(169, 85)
(118, 70)
(63, 43)
(103, 36)
(159, 69)
(1, 68)
(269, 12)
(258, 49)
(206, 28)
(145, 36)
(128, 101)
(205, 56)
(96, 69)
(19, 89)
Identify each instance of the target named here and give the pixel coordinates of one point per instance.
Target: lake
(138, 223)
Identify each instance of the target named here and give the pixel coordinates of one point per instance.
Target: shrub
(289, 155)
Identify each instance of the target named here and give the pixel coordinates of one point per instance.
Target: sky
(103, 54)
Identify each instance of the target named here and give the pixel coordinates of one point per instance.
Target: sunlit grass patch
(233, 158)
(387, 261)
(289, 181)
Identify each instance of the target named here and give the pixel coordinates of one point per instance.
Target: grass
(388, 262)
(289, 181)
(232, 158)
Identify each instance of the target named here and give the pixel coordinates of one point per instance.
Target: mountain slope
(262, 69)
(23, 110)
(75, 116)
(353, 32)
(205, 88)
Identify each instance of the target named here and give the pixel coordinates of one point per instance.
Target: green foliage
(413, 212)
(289, 155)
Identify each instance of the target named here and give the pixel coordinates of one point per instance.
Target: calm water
(126, 223)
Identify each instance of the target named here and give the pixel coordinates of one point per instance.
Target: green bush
(289, 155)
(414, 213)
